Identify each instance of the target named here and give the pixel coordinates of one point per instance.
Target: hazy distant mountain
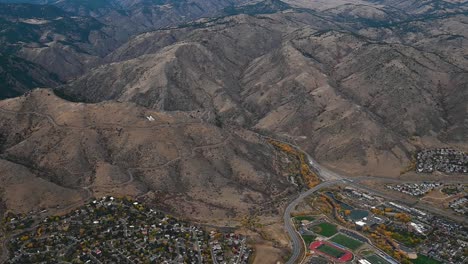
(38, 2)
(49, 38)
(18, 75)
(66, 38)
(426, 6)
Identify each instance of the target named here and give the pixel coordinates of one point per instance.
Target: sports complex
(332, 251)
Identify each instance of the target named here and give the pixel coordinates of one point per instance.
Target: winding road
(295, 237)
(330, 178)
(88, 189)
(54, 123)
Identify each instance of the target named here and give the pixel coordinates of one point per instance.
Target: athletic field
(324, 229)
(346, 241)
(375, 259)
(329, 250)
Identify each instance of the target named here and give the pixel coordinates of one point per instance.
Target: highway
(289, 225)
(330, 178)
(327, 176)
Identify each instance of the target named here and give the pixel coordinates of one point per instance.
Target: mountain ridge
(252, 101)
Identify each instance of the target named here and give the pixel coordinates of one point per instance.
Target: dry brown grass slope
(359, 98)
(188, 166)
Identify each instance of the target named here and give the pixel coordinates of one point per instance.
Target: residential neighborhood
(415, 189)
(237, 253)
(460, 205)
(442, 160)
(111, 230)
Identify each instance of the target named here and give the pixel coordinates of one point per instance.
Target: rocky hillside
(186, 164)
(359, 87)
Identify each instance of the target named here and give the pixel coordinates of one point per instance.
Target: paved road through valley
(330, 178)
(288, 224)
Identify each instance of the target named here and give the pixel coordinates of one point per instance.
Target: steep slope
(43, 45)
(23, 191)
(203, 50)
(17, 76)
(129, 17)
(189, 166)
(160, 86)
(297, 98)
(400, 84)
(426, 6)
(69, 37)
(361, 99)
(200, 71)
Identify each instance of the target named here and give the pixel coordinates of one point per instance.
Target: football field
(374, 259)
(346, 241)
(331, 251)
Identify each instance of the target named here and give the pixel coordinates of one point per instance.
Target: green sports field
(324, 229)
(374, 259)
(334, 252)
(346, 241)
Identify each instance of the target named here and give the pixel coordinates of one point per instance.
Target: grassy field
(325, 229)
(346, 241)
(308, 239)
(374, 259)
(304, 217)
(424, 260)
(335, 252)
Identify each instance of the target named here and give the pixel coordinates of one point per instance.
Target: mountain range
(172, 100)
(354, 91)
